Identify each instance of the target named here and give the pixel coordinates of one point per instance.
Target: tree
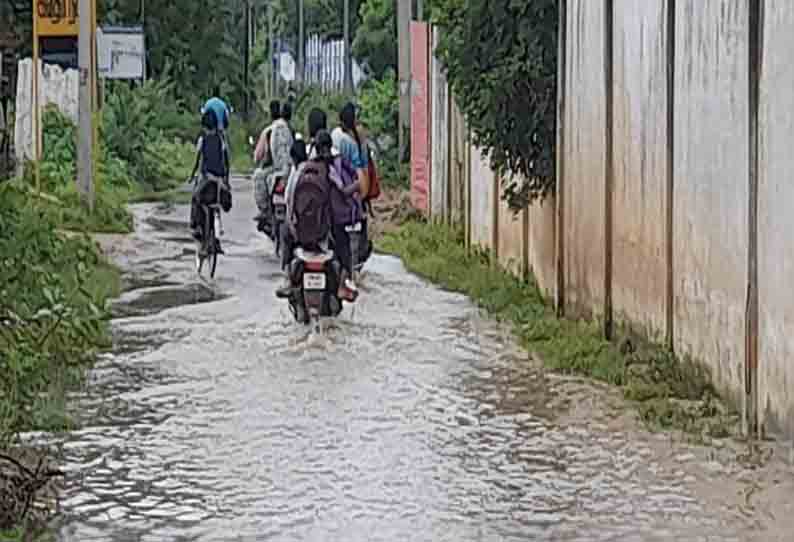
(375, 44)
(501, 62)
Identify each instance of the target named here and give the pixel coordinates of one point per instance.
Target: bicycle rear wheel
(199, 257)
(213, 259)
(212, 245)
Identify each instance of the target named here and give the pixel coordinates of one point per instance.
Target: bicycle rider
(212, 160)
(220, 108)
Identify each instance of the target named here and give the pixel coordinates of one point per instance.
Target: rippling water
(410, 418)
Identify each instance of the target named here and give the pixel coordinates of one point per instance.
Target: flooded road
(410, 418)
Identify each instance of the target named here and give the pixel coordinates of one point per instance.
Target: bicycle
(209, 247)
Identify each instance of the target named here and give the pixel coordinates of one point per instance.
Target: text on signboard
(57, 10)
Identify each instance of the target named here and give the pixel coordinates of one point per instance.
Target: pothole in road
(148, 301)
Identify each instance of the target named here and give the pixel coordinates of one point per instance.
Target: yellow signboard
(56, 17)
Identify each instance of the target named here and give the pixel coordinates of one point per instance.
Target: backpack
(213, 150)
(374, 180)
(345, 209)
(311, 205)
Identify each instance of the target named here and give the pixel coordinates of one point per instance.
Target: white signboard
(287, 67)
(120, 52)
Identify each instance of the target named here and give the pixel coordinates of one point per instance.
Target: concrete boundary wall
(776, 220)
(675, 125)
(711, 190)
(640, 163)
(585, 155)
(440, 156)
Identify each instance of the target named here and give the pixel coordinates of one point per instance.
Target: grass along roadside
(54, 288)
(669, 394)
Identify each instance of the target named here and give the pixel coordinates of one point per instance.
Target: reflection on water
(411, 418)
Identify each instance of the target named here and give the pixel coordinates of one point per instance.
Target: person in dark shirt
(212, 160)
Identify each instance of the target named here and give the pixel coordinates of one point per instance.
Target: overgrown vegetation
(669, 393)
(53, 290)
(140, 154)
(375, 45)
(380, 112)
(501, 62)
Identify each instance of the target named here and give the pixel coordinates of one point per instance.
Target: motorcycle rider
(350, 143)
(299, 156)
(274, 143)
(316, 122)
(286, 114)
(321, 150)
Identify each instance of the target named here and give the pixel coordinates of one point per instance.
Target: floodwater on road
(411, 417)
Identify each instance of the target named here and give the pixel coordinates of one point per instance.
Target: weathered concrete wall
(541, 244)
(420, 122)
(711, 184)
(482, 200)
(440, 135)
(458, 157)
(640, 162)
(776, 220)
(584, 156)
(56, 86)
(510, 237)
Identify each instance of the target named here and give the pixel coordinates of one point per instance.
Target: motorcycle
(360, 245)
(357, 245)
(314, 276)
(274, 228)
(278, 212)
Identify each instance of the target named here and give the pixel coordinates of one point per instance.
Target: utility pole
(404, 67)
(301, 43)
(271, 50)
(246, 57)
(420, 10)
(143, 27)
(347, 52)
(85, 160)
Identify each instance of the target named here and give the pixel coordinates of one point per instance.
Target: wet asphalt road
(409, 418)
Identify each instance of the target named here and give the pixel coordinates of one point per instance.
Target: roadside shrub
(141, 126)
(380, 111)
(52, 295)
(500, 58)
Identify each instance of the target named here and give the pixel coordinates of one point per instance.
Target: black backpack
(213, 154)
(312, 205)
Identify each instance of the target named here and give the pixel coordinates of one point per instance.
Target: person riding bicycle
(212, 160)
(219, 108)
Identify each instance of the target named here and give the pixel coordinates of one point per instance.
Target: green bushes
(52, 294)
(380, 112)
(140, 151)
(146, 128)
(500, 57)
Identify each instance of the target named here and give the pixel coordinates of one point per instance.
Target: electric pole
(301, 43)
(420, 10)
(271, 49)
(143, 28)
(246, 57)
(348, 53)
(404, 67)
(85, 160)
